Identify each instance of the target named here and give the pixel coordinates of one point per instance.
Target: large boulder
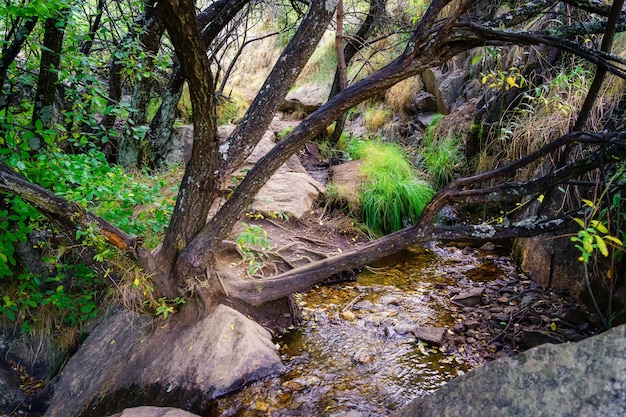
(130, 360)
(446, 87)
(306, 99)
(587, 378)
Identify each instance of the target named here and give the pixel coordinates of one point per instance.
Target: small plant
(595, 236)
(164, 306)
(252, 236)
(376, 117)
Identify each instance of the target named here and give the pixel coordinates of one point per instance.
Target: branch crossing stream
(356, 353)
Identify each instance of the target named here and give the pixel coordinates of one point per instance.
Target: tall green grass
(440, 157)
(393, 196)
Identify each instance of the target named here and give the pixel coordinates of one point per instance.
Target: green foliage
(440, 157)
(69, 293)
(164, 306)
(601, 230)
(393, 196)
(248, 243)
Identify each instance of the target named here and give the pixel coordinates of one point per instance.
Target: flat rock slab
(430, 335)
(587, 378)
(129, 360)
(154, 412)
(470, 298)
(291, 190)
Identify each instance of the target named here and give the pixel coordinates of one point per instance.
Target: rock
(147, 411)
(129, 360)
(576, 316)
(430, 335)
(573, 379)
(291, 190)
(551, 263)
(347, 315)
(347, 179)
(470, 298)
(446, 87)
(307, 98)
(534, 338)
(488, 247)
(422, 102)
(11, 397)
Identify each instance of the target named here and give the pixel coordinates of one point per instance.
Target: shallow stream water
(354, 354)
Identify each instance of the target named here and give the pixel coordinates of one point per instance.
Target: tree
(446, 29)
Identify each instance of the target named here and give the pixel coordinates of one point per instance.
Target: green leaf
(602, 246)
(580, 222)
(599, 226)
(614, 240)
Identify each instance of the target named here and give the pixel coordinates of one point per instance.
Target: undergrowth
(393, 196)
(440, 157)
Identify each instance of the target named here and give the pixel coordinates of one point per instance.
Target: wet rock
(488, 247)
(293, 385)
(364, 305)
(430, 335)
(127, 360)
(534, 338)
(574, 379)
(501, 317)
(153, 412)
(470, 298)
(351, 413)
(347, 315)
(362, 357)
(459, 328)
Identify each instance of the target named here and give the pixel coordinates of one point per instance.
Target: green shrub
(393, 196)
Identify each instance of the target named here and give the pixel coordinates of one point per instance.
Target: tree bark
(43, 109)
(11, 50)
(200, 183)
(132, 147)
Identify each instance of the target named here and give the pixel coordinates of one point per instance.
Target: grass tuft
(393, 196)
(440, 157)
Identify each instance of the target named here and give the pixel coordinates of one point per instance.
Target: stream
(354, 354)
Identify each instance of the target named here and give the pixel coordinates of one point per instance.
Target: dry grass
(376, 117)
(255, 64)
(401, 95)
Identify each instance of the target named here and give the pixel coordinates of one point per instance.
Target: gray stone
(154, 412)
(307, 98)
(430, 335)
(445, 87)
(130, 360)
(587, 378)
(551, 263)
(470, 298)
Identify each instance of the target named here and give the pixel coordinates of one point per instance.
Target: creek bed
(352, 356)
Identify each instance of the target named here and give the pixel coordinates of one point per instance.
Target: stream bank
(358, 351)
